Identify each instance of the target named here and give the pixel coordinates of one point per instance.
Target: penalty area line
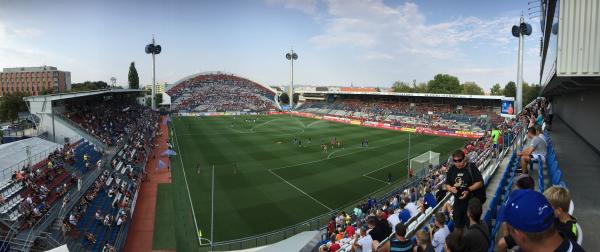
(367, 176)
(300, 190)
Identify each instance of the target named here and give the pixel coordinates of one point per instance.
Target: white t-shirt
(366, 243)
(412, 208)
(439, 238)
(393, 220)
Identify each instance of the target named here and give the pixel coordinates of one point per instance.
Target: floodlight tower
(520, 31)
(153, 49)
(291, 56)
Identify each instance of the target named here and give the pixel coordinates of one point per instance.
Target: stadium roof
(61, 96)
(13, 154)
(459, 96)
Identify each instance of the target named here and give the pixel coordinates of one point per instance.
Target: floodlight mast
(520, 31)
(153, 49)
(291, 56)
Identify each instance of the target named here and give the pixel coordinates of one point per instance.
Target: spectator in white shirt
(394, 219)
(411, 207)
(438, 238)
(362, 242)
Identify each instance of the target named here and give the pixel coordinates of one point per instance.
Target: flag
(161, 165)
(168, 152)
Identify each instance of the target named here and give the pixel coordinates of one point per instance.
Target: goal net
(424, 160)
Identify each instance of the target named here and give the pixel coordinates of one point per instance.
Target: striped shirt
(400, 246)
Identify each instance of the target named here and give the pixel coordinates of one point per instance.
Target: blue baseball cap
(529, 211)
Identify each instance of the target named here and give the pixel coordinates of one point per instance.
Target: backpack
(479, 193)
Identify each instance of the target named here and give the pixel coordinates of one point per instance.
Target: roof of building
(13, 155)
(61, 96)
(459, 96)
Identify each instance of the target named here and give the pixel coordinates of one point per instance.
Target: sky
(339, 42)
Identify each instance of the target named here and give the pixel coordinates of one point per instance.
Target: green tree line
(448, 84)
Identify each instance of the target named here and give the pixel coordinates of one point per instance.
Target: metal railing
(7, 172)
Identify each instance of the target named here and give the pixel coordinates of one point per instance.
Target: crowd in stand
(220, 93)
(43, 184)
(407, 114)
(110, 123)
(120, 181)
(530, 219)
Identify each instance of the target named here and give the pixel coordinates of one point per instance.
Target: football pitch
(265, 181)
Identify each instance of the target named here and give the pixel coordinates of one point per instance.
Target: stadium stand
(426, 113)
(220, 93)
(420, 193)
(102, 215)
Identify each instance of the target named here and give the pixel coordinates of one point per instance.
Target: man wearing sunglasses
(462, 180)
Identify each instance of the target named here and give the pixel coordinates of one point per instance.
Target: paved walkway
(140, 233)
(581, 171)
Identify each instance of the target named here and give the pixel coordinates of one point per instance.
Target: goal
(423, 161)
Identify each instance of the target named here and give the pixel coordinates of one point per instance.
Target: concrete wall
(581, 111)
(60, 129)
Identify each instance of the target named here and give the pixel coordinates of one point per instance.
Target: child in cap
(530, 220)
(560, 199)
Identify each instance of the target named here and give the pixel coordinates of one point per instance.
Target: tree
(47, 91)
(510, 90)
(496, 89)
(11, 105)
(133, 78)
(157, 97)
(421, 88)
(401, 87)
(444, 84)
(471, 88)
(530, 92)
(88, 85)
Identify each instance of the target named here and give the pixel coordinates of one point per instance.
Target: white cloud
(306, 6)
(402, 31)
(14, 49)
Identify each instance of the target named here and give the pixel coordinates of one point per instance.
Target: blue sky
(339, 42)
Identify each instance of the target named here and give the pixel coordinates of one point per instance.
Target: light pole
(153, 49)
(520, 31)
(291, 56)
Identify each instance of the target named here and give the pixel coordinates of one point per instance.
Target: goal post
(422, 162)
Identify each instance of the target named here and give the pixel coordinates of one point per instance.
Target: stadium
(225, 163)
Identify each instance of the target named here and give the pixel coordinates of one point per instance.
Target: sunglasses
(458, 160)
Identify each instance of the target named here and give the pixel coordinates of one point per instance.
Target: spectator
(349, 232)
(394, 219)
(438, 232)
(403, 214)
(535, 150)
(462, 179)
(530, 220)
(362, 242)
(411, 207)
(560, 199)
(398, 242)
(423, 242)
(377, 233)
(441, 193)
(477, 237)
(429, 198)
(455, 242)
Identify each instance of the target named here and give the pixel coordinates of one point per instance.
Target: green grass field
(276, 183)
